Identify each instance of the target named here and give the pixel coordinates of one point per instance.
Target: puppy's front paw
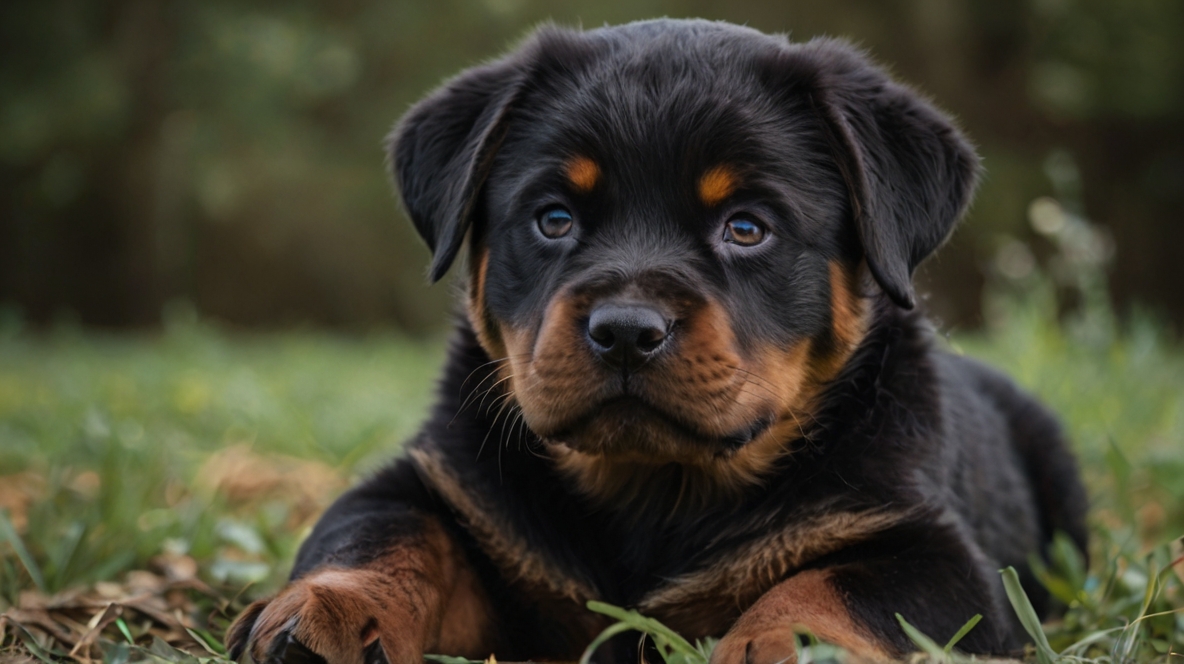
(767, 632)
(336, 616)
(777, 646)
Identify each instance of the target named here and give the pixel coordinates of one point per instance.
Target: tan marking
(583, 173)
(466, 625)
(420, 596)
(807, 602)
(708, 383)
(702, 602)
(489, 334)
(849, 313)
(549, 368)
(498, 539)
(705, 383)
(717, 184)
(699, 384)
(772, 382)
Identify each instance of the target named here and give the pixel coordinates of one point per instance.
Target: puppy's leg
(390, 598)
(854, 605)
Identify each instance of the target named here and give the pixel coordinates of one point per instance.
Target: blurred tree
(229, 152)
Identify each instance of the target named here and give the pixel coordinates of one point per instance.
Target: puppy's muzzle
(625, 335)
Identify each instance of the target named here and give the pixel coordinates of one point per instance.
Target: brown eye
(744, 231)
(555, 222)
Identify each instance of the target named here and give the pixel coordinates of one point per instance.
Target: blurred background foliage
(228, 154)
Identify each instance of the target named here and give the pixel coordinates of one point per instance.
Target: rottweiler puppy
(690, 379)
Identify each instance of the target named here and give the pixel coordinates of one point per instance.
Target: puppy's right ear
(441, 152)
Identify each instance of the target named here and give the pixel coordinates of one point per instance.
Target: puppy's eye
(744, 231)
(555, 222)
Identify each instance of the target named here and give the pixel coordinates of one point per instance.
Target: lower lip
(633, 407)
(736, 441)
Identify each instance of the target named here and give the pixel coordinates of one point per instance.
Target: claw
(374, 654)
(285, 649)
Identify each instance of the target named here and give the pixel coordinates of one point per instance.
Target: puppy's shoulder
(971, 383)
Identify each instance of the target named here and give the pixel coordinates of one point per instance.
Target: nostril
(626, 334)
(649, 338)
(603, 335)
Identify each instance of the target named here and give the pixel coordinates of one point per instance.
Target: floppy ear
(911, 171)
(441, 152)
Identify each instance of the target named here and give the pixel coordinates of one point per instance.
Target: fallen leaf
(246, 478)
(17, 492)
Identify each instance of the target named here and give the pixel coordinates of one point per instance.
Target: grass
(195, 455)
(156, 476)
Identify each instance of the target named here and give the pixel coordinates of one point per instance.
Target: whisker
(466, 380)
(757, 379)
(485, 395)
(476, 389)
(519, 419)
(503, 440)
(503, 400)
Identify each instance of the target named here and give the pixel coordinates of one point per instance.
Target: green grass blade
(706, 647)
(1069, 560)
(127, 633)
(961, 633)
(1128, 641)
(62, 554)
(1027, 615)
(8, 534)
(648, 626)
(608, 633)
(449, 659)
(1125, 644)
(1121, 470)
(161, 651)
(207, 641)
(1089, 640)
(926, 644)
(1153, 579)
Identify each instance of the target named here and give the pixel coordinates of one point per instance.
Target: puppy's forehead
(626, 127)
(666, 112)
(690, 97)
(673, 124)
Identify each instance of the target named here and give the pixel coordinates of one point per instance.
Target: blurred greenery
(116, 449)
(228, 153)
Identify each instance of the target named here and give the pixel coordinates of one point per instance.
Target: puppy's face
(668, 222)
(666, 261)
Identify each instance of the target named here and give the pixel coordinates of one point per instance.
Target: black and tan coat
(688, 379)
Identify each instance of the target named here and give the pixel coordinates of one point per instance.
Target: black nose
(625, 335)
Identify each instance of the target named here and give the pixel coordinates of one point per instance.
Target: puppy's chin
(627, 429)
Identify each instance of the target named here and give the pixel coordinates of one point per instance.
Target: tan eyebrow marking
(717, 184)
(583, 173)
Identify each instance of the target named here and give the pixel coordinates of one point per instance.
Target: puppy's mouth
(630, 425)
(693, 400)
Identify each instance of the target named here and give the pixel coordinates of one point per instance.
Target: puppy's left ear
(441, 152)
(912, 172)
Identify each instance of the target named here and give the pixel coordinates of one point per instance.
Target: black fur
(846, 166)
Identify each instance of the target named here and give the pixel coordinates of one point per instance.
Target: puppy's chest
(695, 577)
